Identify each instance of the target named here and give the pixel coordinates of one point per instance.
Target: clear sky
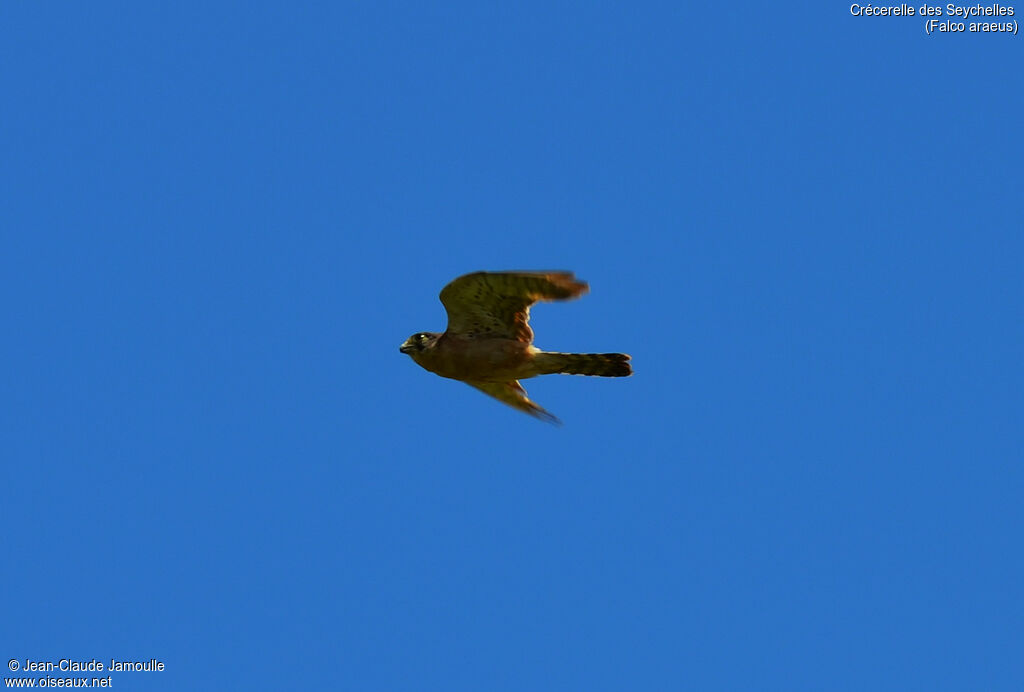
(220, 220)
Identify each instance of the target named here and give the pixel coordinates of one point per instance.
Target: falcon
(489, 344)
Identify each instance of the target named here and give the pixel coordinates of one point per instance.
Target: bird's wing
(513, 394)
(497, 304)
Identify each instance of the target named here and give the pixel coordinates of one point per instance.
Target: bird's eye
(421, 338)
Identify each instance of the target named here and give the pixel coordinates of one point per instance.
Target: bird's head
(419, 342)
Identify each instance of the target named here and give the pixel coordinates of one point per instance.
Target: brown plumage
(488, 343)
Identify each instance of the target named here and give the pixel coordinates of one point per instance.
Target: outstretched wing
(497, 304)
(513, 394)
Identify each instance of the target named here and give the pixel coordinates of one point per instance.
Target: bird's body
(479, 359)
(489, 343)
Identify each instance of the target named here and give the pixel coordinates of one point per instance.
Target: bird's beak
(405, 348)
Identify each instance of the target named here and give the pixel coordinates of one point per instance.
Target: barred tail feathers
(596, 364)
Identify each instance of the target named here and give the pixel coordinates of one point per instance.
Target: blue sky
(221, 220)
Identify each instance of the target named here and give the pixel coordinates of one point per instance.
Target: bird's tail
(599, 364)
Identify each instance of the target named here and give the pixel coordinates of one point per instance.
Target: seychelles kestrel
(489, 343)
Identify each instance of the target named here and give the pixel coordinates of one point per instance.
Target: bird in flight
(489, 343)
